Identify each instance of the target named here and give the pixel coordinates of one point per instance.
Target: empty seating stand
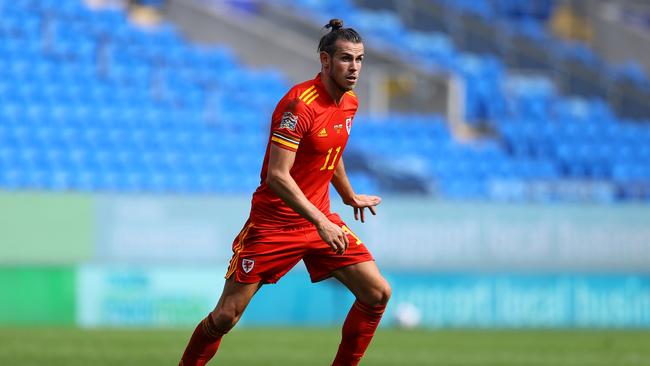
(90, 103)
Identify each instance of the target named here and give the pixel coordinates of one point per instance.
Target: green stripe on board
(38, 228)
(37, 295)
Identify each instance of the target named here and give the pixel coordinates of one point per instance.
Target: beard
(343, 88)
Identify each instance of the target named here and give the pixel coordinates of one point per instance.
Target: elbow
(273, 180)
(270, 180)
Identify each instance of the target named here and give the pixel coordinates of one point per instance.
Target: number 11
(327, 158)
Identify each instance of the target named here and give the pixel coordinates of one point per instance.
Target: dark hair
(328, 41)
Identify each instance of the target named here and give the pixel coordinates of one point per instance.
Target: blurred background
(510, 141)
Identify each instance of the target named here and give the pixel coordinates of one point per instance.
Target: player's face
(345, 65)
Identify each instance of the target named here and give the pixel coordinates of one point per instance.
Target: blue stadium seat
(145, 121)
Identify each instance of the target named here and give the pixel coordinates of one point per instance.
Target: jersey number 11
(327, 158)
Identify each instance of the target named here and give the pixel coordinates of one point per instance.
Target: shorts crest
(247, 265)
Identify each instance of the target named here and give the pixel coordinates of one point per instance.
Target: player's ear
(324, 60)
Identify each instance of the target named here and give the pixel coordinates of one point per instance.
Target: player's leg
(357, 270)
(208, 333)
(366, 283)
(372, 293)
(259, 256)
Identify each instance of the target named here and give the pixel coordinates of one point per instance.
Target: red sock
(358, 329)
(203, 344)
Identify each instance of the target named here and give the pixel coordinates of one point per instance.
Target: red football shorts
(263, 254)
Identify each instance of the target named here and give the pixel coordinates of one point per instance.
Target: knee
(379, 295)
(224, 319)
(384, 295)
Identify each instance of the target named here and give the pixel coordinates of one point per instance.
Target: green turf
(288, 347)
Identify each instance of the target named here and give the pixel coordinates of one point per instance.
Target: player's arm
(358, 201)
(342, 184)
(282, 183)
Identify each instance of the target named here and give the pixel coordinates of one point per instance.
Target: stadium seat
(92, 103)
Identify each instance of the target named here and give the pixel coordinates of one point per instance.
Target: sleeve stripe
(306, 97)
(288, 139)
(285, 143)
(311, 99)
(306, 91)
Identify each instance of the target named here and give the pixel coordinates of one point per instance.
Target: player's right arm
(281, 182)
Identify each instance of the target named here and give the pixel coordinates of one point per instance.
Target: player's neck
(335, 92)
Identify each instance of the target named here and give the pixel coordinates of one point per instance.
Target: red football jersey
(309, 122)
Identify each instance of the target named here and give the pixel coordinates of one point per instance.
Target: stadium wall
(104, 260)
(40, 228)
(37, 295)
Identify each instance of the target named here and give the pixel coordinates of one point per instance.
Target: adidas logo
(322, 133)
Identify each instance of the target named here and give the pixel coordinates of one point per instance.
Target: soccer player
(290, 218)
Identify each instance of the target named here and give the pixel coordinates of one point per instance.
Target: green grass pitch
(313, 346)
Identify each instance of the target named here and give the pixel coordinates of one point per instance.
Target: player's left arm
(358, 201)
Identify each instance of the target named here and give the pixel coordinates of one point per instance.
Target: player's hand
(334, 236)
(360, 202)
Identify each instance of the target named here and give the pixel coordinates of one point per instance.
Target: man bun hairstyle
(328, 41)
(335, 24)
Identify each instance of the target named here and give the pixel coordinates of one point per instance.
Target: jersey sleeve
(291, 123)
